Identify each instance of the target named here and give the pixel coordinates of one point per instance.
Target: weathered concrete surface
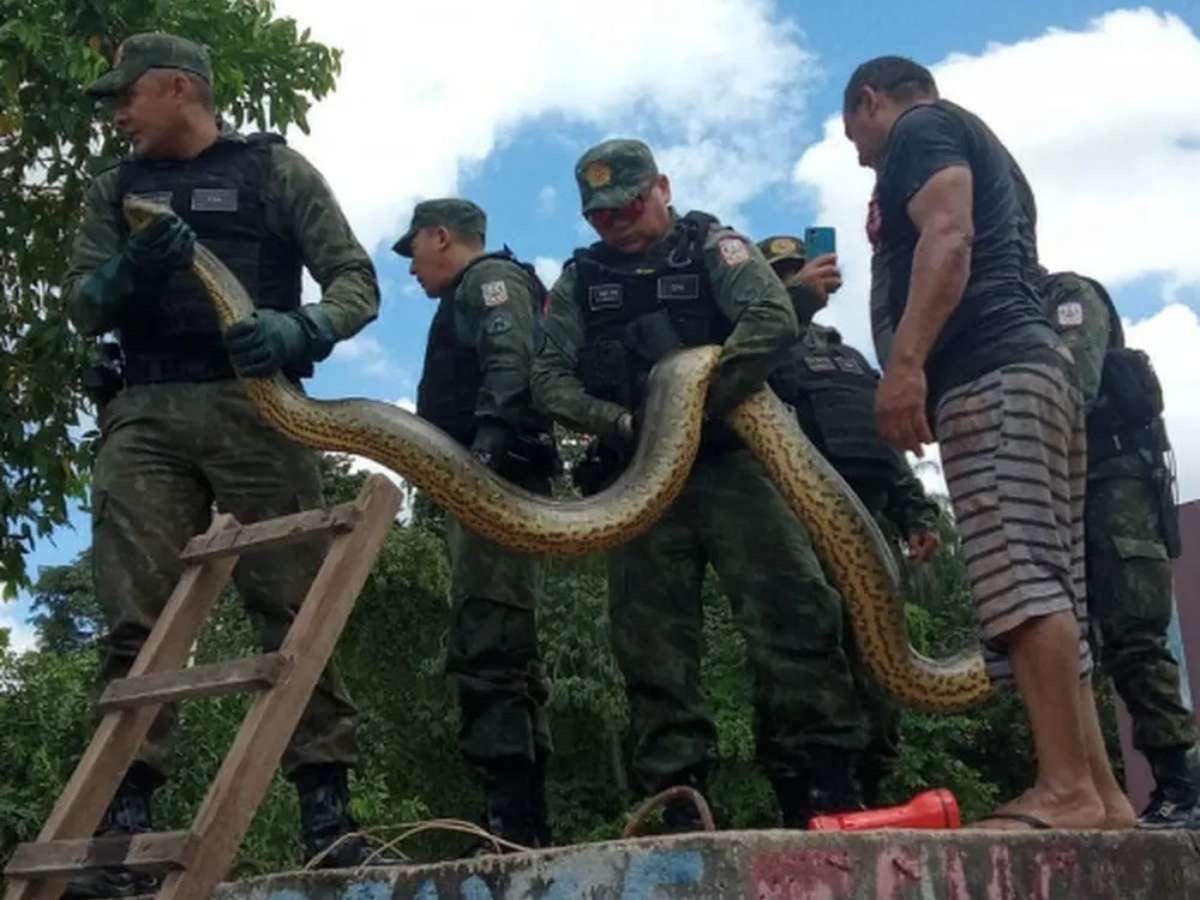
(788, 865)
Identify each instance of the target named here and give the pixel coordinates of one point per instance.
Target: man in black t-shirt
(966, 347)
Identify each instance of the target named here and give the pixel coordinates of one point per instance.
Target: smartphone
(819, 240)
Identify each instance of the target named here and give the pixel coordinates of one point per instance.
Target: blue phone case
(819, 240)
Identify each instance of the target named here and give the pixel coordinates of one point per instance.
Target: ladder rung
(270, 533)
(159, 852)
(255, 673)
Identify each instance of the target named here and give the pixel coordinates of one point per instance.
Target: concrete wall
(782, 865)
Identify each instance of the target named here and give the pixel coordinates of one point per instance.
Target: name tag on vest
(679, 287)
(162, 198)
(850, 365)
(214, 200)
(819, 363)
(605, 296)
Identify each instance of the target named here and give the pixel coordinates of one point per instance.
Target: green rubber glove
(266, 342)
(166, 243)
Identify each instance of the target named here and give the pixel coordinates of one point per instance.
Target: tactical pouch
(597, 468)
(652, 336)
(604, 371)
(1131, 387)
(104, 379)
(534, 454)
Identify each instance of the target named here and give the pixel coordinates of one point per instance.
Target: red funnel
(931, 809)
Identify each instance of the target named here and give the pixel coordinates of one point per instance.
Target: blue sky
(740, 120)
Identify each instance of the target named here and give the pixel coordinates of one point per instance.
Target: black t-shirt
(999, 319)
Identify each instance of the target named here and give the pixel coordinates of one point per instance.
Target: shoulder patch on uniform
(494, 293)
(734, 251)
(498, 324)
(1070, 314)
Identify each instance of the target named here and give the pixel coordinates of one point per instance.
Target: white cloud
(1103, 122)
(430, 87)
(547, 269)
(21, 636)
(547, 200)
(367, 355)
(1171, 338)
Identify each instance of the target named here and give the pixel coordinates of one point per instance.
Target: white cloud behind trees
(1104, 123)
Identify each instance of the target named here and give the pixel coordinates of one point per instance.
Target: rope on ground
(679, 792)
(408, 830)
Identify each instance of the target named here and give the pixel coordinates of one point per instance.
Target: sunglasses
(604, 219)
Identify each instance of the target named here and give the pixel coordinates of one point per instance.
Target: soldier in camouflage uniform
(832, 388)
(1131, 537)
(475, 387)
(657, 281)
(179, 435)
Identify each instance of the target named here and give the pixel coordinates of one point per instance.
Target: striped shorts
(1014, 452)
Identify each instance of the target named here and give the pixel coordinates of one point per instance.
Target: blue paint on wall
(475, 888)
(660, 869)
(368, 890)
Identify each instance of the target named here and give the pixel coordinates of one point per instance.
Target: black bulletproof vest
(833, 391)
(638, 309)
(451, 378)
(173, 334)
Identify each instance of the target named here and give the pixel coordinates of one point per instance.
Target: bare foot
(1118, 811)
(1081, 810)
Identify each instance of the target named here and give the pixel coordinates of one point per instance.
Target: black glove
(491, 442)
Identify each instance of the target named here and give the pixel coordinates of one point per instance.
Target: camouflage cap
(611, 174)
(781, 247)
(151, 50)
(461, 216)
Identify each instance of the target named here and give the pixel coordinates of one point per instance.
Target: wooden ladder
(195, 861)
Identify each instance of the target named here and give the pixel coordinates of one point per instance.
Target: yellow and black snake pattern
(856, 554)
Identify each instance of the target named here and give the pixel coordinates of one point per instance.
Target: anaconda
(855, 552)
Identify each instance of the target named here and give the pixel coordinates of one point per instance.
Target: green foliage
(51, 142)
(391, 657)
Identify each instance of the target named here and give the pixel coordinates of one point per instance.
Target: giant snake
(856, 554)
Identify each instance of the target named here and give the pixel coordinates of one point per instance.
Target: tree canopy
(266, 72)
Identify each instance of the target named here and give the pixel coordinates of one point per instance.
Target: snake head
(140, 211)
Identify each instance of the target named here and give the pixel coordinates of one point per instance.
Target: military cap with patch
(461, 216)
(151, 50)
(782, 246)
(613, 173)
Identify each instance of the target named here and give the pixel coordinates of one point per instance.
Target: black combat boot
(1174, 802)
(830, 785)
(325, 819)
(515, 807)
(129, 813)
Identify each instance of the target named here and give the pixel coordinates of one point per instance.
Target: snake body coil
(857, 555)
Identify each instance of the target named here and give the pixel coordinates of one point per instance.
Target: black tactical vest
(451, 378)
(833, 391)
(173, 334)
(637, 309)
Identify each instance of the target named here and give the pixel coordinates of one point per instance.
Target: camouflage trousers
(1130, 597)
(168, 453)
(730, 515)
(493, 654)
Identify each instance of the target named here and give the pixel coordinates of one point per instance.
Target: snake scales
(857, 555)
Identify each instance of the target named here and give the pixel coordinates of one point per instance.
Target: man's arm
(495, 315)
(941, 211)
(307, 212)
(97, 243)
(764, 320)
(556, 385)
